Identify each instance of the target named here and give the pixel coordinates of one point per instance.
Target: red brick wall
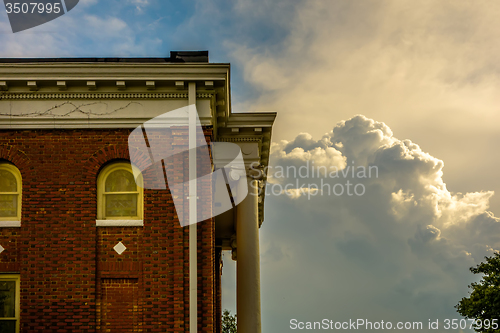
(65, 261)
(120, 306)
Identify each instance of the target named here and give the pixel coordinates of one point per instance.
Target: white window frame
(12, 221)
(17, 279)
(102, 220)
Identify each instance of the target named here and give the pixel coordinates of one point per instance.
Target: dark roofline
(175, 57)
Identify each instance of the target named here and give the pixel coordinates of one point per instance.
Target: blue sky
(413, 88)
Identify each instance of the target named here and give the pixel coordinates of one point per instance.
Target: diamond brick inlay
(1, 249)
(119, 248)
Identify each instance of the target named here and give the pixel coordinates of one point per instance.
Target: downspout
(193, 244)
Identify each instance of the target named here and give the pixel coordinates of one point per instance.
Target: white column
(248, 262)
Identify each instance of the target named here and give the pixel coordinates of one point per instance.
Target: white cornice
(251, 119)
(251, 127)
(137, 78)
(113, 71)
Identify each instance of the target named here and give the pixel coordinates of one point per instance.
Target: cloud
(24, 44)
(409, 179)
(139, 4)
(401, 251)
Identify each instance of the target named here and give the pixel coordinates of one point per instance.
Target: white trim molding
(119, 223)
(10, 224)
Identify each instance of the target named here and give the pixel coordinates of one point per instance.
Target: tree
(483, 304)
(228, 322)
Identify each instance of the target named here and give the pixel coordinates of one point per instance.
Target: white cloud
(399, 252)
(409, 179)
(139, 4)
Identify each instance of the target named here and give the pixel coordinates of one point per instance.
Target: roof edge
(175, 57)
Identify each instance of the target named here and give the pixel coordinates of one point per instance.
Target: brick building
(82, 247)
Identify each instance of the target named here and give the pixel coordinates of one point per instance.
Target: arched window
(10, 195)
(119, 196)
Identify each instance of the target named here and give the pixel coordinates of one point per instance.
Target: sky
(412, 88)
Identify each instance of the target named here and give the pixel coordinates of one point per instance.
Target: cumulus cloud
(408, 179)
(400, 251)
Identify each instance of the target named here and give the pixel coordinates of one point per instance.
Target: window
(9, 303)
(10, 196)
(120, 198)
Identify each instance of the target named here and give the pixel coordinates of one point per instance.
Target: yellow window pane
(7, 299)
(8, 182)
(121, 205)
(120, 181)
(8, 205)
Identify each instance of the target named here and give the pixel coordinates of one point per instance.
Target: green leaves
(228, 322)
(484, 300)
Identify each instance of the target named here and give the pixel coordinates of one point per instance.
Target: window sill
(10, 224)
(119, 223)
